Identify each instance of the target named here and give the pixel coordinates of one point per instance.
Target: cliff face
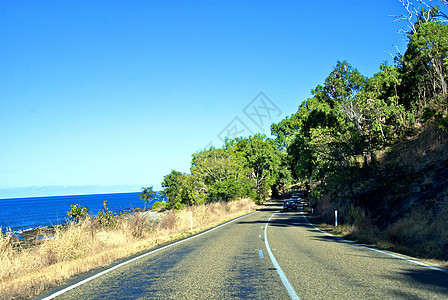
(406, 198)
(415, 173)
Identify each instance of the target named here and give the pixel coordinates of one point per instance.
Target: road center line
(285, 281)
(138, 257)
(376, 250)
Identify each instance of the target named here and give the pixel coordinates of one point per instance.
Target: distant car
(296, 199)
(290, 205)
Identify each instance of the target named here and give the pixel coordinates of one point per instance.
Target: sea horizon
(66, 190)
(69, 195)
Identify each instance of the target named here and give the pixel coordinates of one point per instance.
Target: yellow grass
(79, 248)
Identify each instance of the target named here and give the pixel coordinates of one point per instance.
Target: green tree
(213, 170)
(423, 66)
(171, 185)
(285, 130)
(146, 195)
(260, 156)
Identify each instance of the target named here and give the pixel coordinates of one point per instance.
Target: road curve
(232, 262)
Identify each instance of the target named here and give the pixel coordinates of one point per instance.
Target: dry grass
(80, 247)
(421, 233)
(426, 148)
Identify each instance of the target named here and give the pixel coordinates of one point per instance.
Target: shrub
(159, 206)
(78, 211)
(136, 226)
(177, 206)
(168, 221)
(6, 243)
(106, 217)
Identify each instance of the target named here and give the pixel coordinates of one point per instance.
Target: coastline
(31, 237)
(20, 215)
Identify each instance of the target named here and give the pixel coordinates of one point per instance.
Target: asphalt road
(232, 262)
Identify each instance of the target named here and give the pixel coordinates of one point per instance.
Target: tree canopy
(146, 195)
(338, 134)
(243, 167)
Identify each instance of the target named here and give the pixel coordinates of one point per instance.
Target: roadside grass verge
(416, 237)
(80, 247)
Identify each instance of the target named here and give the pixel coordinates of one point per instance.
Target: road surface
(233, 262)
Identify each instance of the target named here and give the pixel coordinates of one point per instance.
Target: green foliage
(423, 66)
(329, 127)
(261, 159)
(146, 195)
(334, 139)
(159, 206)
(177, 187)
(285, 130)
(105, 217)
(78, 211)
(176, 206)
(243, 167)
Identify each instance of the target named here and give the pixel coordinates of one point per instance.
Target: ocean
(21, 214)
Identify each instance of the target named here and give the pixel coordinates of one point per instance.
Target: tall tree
(172, 187)
(423, 65)
(146, 195)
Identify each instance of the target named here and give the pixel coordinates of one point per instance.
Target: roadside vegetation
(244, 167)
(88, 243)
(373, 148)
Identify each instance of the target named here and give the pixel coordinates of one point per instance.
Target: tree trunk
(438, 69)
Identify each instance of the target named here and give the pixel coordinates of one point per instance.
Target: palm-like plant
(147, 194)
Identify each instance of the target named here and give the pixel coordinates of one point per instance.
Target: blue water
(21, 214)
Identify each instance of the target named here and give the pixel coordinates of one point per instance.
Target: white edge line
(285, 281)
(138, 257)
(376, 250)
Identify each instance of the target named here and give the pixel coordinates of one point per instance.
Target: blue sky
(111, 96)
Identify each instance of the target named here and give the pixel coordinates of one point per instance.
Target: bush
(168, 221)
(159, 206)
(106, 217)
(78, 212)
(177, 206)
(137, 225)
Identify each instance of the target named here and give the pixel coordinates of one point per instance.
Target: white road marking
(260, 253)
(292, 293)
(376, 250)
(136, 258)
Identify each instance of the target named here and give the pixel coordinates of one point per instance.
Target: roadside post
(336, 218)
